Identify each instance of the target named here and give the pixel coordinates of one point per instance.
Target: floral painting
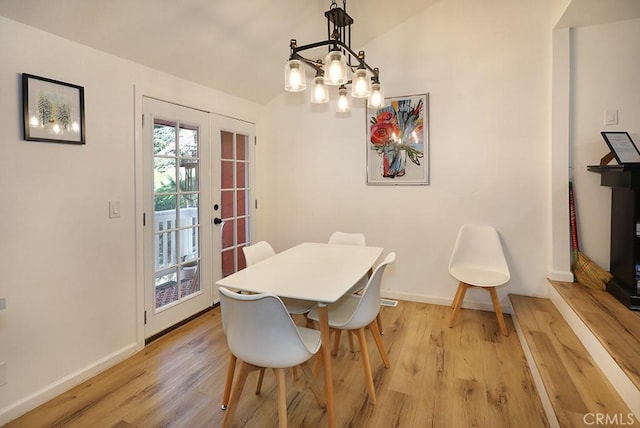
(397, 141)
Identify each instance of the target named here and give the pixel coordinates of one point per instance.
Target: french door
(234, 153)
(178, 237)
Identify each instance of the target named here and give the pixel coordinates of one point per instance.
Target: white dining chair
(358, 239)
(261, 334)
(478, 260)
(354, 312)
(344, 238)
(262, 250)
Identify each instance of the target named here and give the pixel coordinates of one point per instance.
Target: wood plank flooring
(575, 385)
(466, 376)
(616, 327)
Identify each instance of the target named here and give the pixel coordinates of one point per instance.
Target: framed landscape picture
(398, 141)
(53, 111)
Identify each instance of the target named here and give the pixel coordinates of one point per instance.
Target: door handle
(217, 221)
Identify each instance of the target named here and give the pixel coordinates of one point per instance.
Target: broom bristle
(589, 273)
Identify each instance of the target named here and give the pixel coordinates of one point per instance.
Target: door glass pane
(241, 147)
(241, 174)
(226, 178)
(228, 234)
(226, 150)
(226, 203)
(164, 138)
(189, 173)
(188, 141)
(164, 174)
(241, 207)
(241, 231)
(176, 216)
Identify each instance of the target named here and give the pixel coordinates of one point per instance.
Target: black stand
(624, 181)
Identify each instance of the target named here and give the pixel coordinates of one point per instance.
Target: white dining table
(318, 272)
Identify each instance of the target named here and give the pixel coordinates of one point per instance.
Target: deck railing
(166, 232)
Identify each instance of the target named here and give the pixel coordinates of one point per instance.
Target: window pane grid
(234, 200)
(176, 213)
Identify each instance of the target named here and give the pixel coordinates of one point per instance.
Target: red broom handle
(572, 220)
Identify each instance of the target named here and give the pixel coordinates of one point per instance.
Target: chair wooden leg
(235, 396)
(379, 322)
(282, 397)
(351, 347)
(318, 363)
(336, 342)
(364, 355)
(294, 371)
(462, 290)
(259, 383)
(378, 339)
(454, 302)
(227, 386)
(498, 309)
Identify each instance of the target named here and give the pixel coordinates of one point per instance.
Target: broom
(585, 271)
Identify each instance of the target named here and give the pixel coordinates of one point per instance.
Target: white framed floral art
(398, 141)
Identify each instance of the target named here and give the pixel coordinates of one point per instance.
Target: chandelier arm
(296, 49)
(311, 63)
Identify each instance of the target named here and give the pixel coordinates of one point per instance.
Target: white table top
(309, 271)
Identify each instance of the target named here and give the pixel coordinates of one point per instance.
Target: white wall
(605, 67)
(67, 271)
(487, 69)
(70, 275)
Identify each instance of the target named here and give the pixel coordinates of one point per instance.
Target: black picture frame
(622, 147)
(53, 111)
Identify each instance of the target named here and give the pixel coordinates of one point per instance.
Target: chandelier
(334, 70)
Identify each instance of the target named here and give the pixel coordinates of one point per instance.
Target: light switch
(3, 303)
(114, 209)
(611, 117)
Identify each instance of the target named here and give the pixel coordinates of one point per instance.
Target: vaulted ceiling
(236, 46)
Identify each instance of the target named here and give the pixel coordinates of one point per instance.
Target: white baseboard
(618, 378)
(561, 276)
(64, 384)
(468, 303)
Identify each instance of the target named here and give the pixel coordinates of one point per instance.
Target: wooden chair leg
(454, 302)
(498, 309)
(364, 355)
(351, 347)
(227, 386)
(294, 371)
(259, 383)
(282, 397)
(379, 322)
(378, 339)
(336, 342)
(462, 290)
(235, 396)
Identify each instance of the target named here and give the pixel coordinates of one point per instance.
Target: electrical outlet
(3, 373)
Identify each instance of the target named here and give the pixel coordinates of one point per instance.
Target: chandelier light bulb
(343, 101)
(335, 68)
(294, 76)
(376, 99)
(319, 91)
(361, 84)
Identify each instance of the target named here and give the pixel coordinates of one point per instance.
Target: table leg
(323, 315)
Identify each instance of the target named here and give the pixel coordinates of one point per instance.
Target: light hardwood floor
(466, 376)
